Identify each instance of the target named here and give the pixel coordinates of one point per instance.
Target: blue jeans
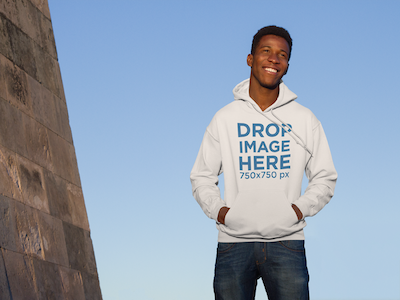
(281, 265)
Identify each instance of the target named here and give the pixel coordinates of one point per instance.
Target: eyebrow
(271, 47)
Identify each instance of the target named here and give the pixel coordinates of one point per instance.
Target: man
(262, 142)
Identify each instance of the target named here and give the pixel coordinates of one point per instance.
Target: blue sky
(143, 80)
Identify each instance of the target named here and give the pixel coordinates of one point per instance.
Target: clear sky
(143, 80)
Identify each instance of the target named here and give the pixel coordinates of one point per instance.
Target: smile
(271, 70)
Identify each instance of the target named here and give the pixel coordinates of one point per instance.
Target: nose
(274, 58)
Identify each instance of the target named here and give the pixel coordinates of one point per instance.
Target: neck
(264, 97)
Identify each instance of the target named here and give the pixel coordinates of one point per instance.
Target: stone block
(5, 292)
(5, 45)
(12, 134)
(80, 249)
(32, 232)
(72, 284)
(29, 19)
(47, 40)
(57, 196)
(3, 78)
(42, 103)
(66, 201)
(7, 225)
(63, 158)
(17, 88)
(52, 235)
(43, 6)
(48, 280)
(28, 231)
(77, 205)
(32, 184)
(63, 126)
(49, 110)
(91, 286)
(10, 10)
(60, 84)
(47, 70)
(38, 144)
(23, 50)
(58, 81)
(21, 276)
(9, 179)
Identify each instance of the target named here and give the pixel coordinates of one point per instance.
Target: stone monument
(45, 247)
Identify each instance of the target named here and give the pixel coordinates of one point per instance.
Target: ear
(286, 69)
(250, 60)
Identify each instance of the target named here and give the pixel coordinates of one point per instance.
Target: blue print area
(276, 156)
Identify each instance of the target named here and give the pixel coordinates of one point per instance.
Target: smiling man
(263, 142)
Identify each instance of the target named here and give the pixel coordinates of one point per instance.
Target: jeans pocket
(294, 245)
(224, 247)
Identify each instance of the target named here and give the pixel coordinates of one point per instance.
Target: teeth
(270, 70)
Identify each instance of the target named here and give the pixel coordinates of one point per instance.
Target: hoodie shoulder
(302, 112)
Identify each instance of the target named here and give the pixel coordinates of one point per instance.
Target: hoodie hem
(225, 238)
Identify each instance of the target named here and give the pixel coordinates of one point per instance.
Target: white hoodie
(263, 155)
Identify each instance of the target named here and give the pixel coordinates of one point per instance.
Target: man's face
(269, 62)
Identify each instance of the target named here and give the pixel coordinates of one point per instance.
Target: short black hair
(274, 30)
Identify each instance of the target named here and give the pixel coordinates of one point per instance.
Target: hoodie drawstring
(290, 130)
(303, 144)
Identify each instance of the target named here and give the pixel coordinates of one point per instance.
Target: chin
(270, 86)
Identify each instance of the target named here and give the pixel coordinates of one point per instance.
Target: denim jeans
(281, 265)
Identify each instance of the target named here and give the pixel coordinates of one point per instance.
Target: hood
(241, 93)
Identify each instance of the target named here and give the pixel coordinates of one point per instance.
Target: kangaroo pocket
(261, 213)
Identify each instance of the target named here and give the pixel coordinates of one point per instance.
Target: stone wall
(46, 249)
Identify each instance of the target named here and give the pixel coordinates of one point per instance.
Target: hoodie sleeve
(321, 175)
(204, 176)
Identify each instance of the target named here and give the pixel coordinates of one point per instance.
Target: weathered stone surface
(62, 128)
(78, 208)
(5, 45)
(48, 280)
(64, 159)
(10, 185)
(32, 184)
(10, 10)
(38, 144)
(12, 135)
(22, 48)
(35, 233)
(7, 225)
(47, 70)
(30, 23)
(80, 249)
(52, 235)
(49, 110)
(17, 87)
(47, 40)
(66, 201)
(57, 196)
(42, 103)
(28, 231)
(72, 284)
(3, 77)
(21, 275)
(43, 6)
(92, 286)
(60, 84)
(45, 247)
(5, 292)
